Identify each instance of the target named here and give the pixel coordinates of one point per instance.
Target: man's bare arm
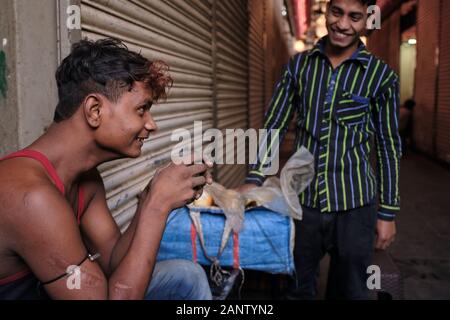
(49, 240)
(123, 243)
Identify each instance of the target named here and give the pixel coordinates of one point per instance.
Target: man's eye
(336, 13)
(141, 110)
(355, 18)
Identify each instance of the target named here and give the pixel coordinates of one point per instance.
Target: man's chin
(343, 44)
(135, 154)
(130, 153)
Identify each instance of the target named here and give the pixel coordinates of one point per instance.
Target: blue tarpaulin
(264, 243)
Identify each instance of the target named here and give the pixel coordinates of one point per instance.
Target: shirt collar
(361, 54)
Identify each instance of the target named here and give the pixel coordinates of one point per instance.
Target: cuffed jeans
(178, 280)
(348, 237)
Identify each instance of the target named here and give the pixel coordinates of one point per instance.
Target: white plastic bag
(281, 195)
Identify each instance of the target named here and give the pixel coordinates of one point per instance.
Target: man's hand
(385, 234)
(245, 187)
(176, 185)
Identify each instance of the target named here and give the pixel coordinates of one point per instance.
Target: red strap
(14, 277)
(193, 243)
(36, 155)
(80, 204)
(236, 262)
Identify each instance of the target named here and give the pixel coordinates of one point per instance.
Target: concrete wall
(428, 19)
(8, 96)
(30, 28)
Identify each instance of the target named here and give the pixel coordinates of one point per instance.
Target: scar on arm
(121, 290)
(59, 264)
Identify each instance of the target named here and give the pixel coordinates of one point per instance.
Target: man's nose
(150, 123)
(343, 23)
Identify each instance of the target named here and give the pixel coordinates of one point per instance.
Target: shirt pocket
(352, 110)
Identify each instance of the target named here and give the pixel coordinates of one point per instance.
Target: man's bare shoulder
(24, 185)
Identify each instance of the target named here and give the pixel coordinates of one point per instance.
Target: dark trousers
(348, 237)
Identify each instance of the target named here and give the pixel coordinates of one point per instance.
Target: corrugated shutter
(178, 32)
(232, 78)
(385, 42)
(276, 58)
(256, 63)
(443, 109)
(426, 72)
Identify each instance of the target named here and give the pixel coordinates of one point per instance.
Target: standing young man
(344, 97)
(53, 213)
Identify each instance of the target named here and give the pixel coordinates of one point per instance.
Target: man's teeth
(340, 35)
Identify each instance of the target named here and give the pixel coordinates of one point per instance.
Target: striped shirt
(341, 113)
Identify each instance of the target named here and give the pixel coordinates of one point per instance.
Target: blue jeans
(178, 280)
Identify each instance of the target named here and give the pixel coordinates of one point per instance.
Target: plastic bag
(278, 195)
(281, 194)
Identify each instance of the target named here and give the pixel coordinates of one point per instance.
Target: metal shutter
(443, 108)
(256, 63)
(385, 43)
(232, 78)
(178, 32)
(425, 88)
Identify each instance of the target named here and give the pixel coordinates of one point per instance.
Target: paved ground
(422, 247)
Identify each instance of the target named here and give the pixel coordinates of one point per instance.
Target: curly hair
(107, 67)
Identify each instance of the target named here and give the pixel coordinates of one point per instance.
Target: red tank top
(27, 153)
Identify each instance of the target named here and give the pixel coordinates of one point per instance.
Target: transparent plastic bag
(281, 194)
(278, 195)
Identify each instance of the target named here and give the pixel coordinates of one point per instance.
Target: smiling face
(346, 22)
(127, 123)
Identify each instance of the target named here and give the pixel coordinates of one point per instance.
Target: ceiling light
(299, 46)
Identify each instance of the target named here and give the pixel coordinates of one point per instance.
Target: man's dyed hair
(107, 67)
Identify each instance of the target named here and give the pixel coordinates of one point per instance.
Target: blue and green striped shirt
(341, 114)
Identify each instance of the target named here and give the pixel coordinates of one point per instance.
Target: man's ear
(93, 107)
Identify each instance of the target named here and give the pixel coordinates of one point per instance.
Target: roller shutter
(232, 79)
(256, 63)
(426, 73)
(443, 108)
